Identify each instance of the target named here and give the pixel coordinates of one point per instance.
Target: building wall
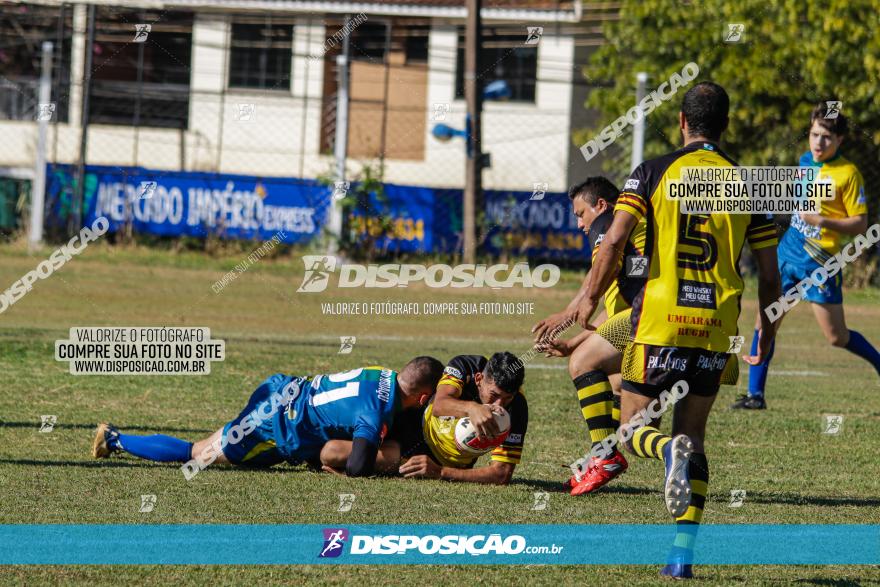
(528, 143)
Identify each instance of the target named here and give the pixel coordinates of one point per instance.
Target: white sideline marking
(800, 373)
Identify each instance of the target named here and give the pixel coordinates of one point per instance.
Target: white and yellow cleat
(677, 454)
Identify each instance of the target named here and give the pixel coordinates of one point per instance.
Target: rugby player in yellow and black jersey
(472, 387)
(688, 309)
(594, 363)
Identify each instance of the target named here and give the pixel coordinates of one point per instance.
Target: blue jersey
(354, 404)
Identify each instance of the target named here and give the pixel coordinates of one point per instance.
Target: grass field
(792, 473)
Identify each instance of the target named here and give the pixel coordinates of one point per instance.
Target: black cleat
(749, 402)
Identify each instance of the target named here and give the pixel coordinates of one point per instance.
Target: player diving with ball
(482, 391)
(291, 418)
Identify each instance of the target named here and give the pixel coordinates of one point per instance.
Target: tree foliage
(794, 54)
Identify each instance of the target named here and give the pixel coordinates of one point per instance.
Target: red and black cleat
(599, 472)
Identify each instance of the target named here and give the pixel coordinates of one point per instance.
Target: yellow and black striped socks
(688, 523)
(597, 405)
(698, 471)
(648, 442)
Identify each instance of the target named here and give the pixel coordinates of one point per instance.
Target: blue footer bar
(602, 544)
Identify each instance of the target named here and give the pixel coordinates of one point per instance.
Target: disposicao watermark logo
(664, 92)
(831, 267)
(320, 267)
(334, 542)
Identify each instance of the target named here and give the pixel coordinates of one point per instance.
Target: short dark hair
(506, 371)
(593, 188)
(424, 372)
(705, 107)
(838, 125)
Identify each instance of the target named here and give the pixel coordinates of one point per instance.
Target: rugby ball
(466, 434)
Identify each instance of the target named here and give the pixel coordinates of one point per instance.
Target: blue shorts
(792, 272)
(258, 447)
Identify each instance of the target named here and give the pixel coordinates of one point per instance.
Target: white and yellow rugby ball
(466, 438)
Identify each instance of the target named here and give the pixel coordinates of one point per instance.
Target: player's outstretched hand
(551, 324)
(420, 466)
(483, 419)
(584, 313)
(555, 347)
(329, 469)
(763, 351)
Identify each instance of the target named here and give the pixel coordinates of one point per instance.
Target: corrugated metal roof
(525, 10)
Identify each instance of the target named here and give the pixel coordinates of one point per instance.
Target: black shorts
(648, 370)
(407, 431)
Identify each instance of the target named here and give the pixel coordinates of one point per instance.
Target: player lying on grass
(812, 240)
(687, 310)
(290, 418)
(471, 387)
(595, 357)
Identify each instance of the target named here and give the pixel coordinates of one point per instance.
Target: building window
(504, 57)
(23, 29)
(261, 55)
(144, 83)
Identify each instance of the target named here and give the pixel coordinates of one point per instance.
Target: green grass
(792, 473)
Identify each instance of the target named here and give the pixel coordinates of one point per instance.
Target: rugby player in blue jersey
(290, 418)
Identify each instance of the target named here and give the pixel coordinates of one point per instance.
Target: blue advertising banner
(409, 219)
(599, 544)
(429, 220)
(533, 225)
(193, 203)
(406, 219)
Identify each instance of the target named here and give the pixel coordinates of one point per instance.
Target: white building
(248, 87)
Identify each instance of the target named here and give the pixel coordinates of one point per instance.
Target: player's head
(591, 198)
(501, 379)
(828, 127)
(418, 379)
(704, 112)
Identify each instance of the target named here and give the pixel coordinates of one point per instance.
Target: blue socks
(857, 345)
(158, 447)
(758, 373)
(861, 347)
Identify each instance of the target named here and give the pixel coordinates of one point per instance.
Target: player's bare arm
(495, 473)
(769, 290)
(550, 327)
(605, 267)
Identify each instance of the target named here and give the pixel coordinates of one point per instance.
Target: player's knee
(335, 453)
(579, 363)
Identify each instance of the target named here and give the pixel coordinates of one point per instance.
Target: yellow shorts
(617, 330)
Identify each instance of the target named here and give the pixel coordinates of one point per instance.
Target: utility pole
(473, 188)
(38, 190)
(638, 147)
(75, 221)
(340, 147)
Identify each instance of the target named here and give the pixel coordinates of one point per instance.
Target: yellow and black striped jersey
(623, 289)
(692, 296)
(439, 431)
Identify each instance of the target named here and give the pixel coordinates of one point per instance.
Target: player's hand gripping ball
(466, 438)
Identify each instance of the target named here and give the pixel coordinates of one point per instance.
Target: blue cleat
(676, 455)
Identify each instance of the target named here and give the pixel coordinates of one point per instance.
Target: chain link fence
(238, 108)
